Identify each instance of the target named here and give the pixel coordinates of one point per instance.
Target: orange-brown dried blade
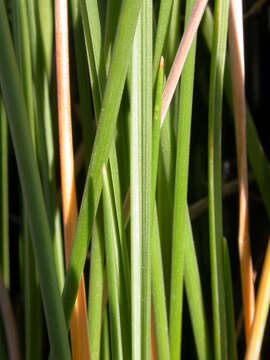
(238, 91)
(79, 329)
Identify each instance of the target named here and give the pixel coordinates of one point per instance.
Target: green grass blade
(214, 176)
(106, 126)
(105, 344)
(161, 32)
(146, 174)
(256, 154)
(4, 208)
(180, 196)
(135, 196)
(195, 296)
(29, 176)
(112, 13)
(158, 295)
(83, 81)
(231, 334)
(45, 26)
(166, 170)
(113, 271)
(157, 278)
(96, 281)
(32, 302)
(25, 63)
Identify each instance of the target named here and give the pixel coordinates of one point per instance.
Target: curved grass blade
(214, 176)
(29, 175)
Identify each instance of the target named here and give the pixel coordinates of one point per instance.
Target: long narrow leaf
(29, 176)
(214, 176)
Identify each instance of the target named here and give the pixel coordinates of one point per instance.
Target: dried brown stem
(79, 329)
(238, 91)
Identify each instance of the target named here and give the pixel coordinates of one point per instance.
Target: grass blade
(4, 217)
(79, 328)
(214, 175)
(158, 295)
(96, 286)
(180, 195)
(146, 172)
(113, 271)
(161, 32)
(182, 52)
(195, 295)
(135, 196)
(29, 176)
(238, 90)
(261, 312)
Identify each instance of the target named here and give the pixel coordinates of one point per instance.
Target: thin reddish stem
(238, 91)
(79, 328)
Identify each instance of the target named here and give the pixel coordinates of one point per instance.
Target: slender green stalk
(29, 176)
(4, 217)
(83, 81)
(158, 295)
(113, 271)
(180, 196)
(96, 293)
(32, 301)
(135, 196)
(214, 176)
(161, 32)
(195, 296)
(105, 344)
(231, 335)
(146, 171)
